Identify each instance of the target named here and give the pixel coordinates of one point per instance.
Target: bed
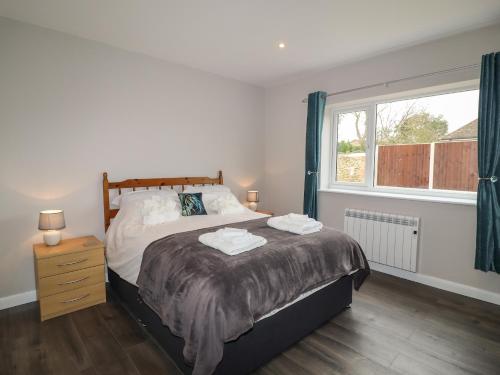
(271, 330)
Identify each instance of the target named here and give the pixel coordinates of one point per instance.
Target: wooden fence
(404, 165)
(454, 165)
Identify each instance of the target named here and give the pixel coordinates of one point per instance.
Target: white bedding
(127, 239)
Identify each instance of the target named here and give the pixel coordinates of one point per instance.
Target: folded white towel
(232, 241)
(295, 223)
(231, 232)
(297, 217)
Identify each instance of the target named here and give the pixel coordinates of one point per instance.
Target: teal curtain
(315, 114)
(488, 191)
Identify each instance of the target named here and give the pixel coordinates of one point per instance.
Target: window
(351, 147)
(424, 145)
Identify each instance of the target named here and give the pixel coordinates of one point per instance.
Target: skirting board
(449, 286)
(17, 299)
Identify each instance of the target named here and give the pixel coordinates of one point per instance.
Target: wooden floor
(393, 327)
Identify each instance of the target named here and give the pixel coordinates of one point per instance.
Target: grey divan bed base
(268, 337)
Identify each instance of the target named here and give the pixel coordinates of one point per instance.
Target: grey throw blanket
(208, 298)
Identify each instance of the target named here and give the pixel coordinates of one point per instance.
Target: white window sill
(411, 197)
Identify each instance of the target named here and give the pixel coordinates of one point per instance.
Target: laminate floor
(394, 327)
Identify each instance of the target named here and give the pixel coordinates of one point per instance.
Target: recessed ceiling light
(281, 45)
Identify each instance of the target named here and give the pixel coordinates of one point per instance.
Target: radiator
(385, 238)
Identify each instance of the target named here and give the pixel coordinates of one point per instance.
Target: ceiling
(238, 38)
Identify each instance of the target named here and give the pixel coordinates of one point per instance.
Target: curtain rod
(455, 69)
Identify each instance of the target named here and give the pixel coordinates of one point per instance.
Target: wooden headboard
(169, 183)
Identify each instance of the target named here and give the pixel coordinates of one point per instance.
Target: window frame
(370, 106)
(369, 149)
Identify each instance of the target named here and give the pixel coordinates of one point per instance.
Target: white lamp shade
(51, 220)
(252, 196)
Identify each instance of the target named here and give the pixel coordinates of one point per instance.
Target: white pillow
(207, 189)
(208, 198)
(208, 194)
(141, 195)
(159, 209)
(226, 203)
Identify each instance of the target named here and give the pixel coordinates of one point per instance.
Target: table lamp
(51, 221)
(252, 198)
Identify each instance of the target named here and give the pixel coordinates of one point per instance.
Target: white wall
(71, 109)
(448, 231)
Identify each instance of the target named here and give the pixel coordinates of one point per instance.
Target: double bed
(215, 313)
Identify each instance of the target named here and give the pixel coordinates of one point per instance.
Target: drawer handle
(76, 299)
(74, 281)
(71, 263)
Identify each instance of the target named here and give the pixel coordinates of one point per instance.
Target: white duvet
(127, 237)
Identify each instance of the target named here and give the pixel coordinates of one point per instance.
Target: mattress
(127, 238)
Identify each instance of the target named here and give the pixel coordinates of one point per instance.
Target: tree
(422, 127)
(344, 147)
(358, 144)
(412, 125)
(388, 119)
(361, 135)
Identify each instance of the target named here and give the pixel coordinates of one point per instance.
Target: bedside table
(69, 276)
(266, 212)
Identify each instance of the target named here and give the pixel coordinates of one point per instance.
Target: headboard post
(105, 200)
(221, 179)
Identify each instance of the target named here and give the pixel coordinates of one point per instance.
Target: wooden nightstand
(69, 276)
(266, 212)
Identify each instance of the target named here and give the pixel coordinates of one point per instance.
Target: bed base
(268, 337)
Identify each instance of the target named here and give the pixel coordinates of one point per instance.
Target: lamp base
(252, 206)
(52, 237)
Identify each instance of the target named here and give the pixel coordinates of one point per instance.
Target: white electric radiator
(385, 238)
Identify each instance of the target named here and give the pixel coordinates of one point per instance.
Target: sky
(458, 109)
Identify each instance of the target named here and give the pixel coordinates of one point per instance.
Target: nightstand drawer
(70, 262)
(70, 280)
(72, 300)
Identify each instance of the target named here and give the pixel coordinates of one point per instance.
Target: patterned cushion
(191, 204)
